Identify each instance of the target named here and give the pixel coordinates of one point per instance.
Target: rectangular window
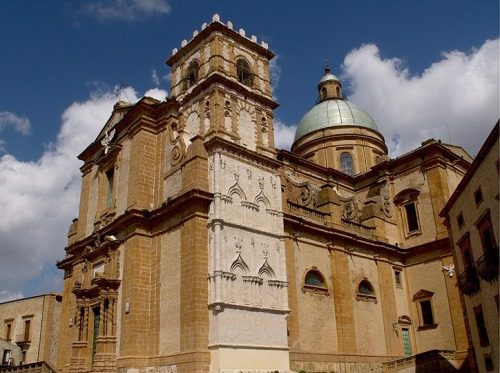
(110, 175)
(406, 341)
(397, 277)
(478, 196)
(485, 229)
(98, 269)
(411, 217)
(427, 317)
(27, 327)
(481, 326)
(8, 331)
(97, 317)
(6, 360)
(465, 249)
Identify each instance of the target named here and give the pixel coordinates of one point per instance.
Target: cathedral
(201, 248)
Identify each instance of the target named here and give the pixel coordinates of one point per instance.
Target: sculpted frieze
(301, 193)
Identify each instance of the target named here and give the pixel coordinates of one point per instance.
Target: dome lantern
(335, 130)
(329, 86)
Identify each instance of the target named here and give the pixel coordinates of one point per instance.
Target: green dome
(333, 113)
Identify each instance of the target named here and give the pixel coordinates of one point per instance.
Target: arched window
(365, 292)
(244, 72)
(338, 91)
(323, 93)
(315, 278)
(346, 163)
(365, 288)
(314, 282)
(192, 73)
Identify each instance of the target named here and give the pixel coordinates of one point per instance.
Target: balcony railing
(468, 281)
(487, 265)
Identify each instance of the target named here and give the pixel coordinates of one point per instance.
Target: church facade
(200, 247)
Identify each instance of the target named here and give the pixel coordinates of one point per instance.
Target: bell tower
(222, 83)
(221, 79)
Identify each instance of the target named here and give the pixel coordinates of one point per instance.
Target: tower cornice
(214, 27)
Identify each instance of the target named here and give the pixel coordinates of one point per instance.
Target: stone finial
(264, 45)
(204, 26)
(254, 38)
(195, 32)
(174, 51)
(242, 32)
(215, 18)
(184, 43)
(230, 25)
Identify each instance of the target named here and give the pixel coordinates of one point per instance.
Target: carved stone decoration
(207, 109)
(264, 131)
(273, 181)
(236, 189)
(385, 201)
(302, 193)
(265, 268)
(449, 269)
(178, 146)
(349, 208)
(106, 140)
(261, 198)
(238, 263)
(228, 115)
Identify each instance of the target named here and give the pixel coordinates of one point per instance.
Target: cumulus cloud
(157, 93)
(19, 124)
(39, 199)
(125, 10)
(283, 135)
(455, 99)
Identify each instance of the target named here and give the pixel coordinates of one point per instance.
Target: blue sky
(422, 69)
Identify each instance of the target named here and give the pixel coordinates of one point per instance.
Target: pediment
(422, 293)
(119, 110)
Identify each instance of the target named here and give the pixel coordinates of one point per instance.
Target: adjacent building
(29, 329)
(200, 247)
(472, 218)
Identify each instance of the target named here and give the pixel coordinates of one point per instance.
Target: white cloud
(39, 199)
(455, 99)
(5, 296)
(126, 10)
(20, 124)
(157, 93)
(167, 77)
(275, 73)
(283, 135)
(154, 77)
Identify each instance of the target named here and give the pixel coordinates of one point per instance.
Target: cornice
(217, 78)
(378, 247)
(218, 27)
(139, 217)
(216, 144)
